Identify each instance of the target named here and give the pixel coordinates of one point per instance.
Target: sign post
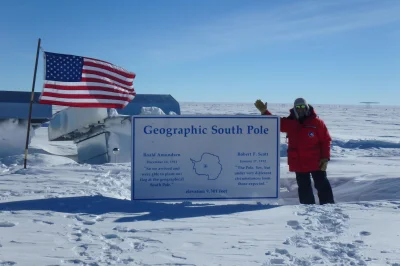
(205, 157)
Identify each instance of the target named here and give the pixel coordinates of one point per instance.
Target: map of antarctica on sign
(208, 165)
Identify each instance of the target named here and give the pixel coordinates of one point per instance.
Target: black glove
(262, 107)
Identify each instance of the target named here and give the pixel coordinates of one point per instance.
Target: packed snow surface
(59, 212)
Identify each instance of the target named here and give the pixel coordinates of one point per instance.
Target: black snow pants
(321, 183)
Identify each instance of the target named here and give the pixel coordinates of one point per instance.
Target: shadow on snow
(141, 210)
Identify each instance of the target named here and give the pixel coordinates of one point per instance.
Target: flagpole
(30, 106)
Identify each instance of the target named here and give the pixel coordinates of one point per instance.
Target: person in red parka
(308, 150)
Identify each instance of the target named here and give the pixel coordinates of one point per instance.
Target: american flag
(85, 82)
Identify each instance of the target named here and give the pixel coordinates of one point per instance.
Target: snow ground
(59, 212)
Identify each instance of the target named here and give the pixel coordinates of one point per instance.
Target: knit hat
(299, 101)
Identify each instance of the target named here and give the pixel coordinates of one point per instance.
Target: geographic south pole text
(201, 130)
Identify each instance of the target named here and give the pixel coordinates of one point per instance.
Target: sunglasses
(301, 106)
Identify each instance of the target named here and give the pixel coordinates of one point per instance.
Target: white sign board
(205, 157)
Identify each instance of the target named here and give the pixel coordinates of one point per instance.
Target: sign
(188, 157)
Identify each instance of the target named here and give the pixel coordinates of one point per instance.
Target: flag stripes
(85, 82)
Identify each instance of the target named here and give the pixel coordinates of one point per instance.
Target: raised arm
(284, 122)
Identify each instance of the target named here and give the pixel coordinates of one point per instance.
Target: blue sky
(333, 52)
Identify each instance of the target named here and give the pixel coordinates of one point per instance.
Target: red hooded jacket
(309, 141)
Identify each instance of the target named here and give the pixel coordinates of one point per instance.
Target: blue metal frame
(15, 104)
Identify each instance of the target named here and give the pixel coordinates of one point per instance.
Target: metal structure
(102, 134)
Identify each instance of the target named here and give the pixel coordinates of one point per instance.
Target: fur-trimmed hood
(311, 111)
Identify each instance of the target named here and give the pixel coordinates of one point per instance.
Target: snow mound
(365, 144)
(34, 158)
(151, 111)
(368, 190)
(112, 112)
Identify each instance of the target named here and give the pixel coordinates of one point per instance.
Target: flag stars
(63, 68)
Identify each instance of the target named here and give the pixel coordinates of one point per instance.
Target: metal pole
(30, 106)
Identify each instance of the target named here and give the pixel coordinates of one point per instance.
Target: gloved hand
(262, 107)
(323, 164)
